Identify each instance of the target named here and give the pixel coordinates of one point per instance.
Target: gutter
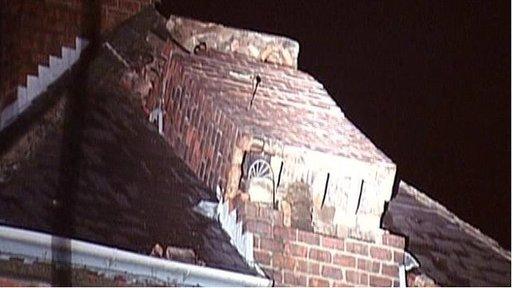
(15, 242)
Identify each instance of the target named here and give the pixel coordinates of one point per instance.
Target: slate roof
(131, 190)
(450, 251)
(289, 105)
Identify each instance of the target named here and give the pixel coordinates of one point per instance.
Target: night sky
(428, 83)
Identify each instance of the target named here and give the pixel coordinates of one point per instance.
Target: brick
(111, 3)
(318, 282)
(398, 257)
(282, 261)
(308, 237)
(375, 267)
(332, 272)
(251, 210)
(296, 250)
(271, 245)
(259, 227)
(332, 243)
(273, 216)
(294, 279)
(390, 270)
(363, 264)
(257, 241)
(278, 279)
(380, 253)
(129, 6)
(286, 234)
(319, 255)
(356, 277)
(352, 276)
(396, 283)
(274, 274)
(363, 279)
(344, 260)
(120, 280)
(357, 248)
(308, 267)
(262, 257)
(380, 281)
(393, 240)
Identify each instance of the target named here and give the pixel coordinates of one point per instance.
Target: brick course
(199, 132)
(305, 258)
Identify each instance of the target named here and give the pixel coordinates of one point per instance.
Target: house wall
(32, 30)
(296, 257)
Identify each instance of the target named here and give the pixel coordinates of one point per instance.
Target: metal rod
(258, 80)
(325, 190)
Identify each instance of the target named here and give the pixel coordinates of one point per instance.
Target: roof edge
(444, 212)
(42, 247)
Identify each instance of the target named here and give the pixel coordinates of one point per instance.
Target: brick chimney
(304, 190)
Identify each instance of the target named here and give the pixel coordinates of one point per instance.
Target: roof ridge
(466, 227)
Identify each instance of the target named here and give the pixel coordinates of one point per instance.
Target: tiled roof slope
(450, 251)
(132, 190)
(289, 105)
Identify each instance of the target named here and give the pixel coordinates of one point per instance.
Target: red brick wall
(31, 30)
(198, 131)
(13, 282)
(301, 258)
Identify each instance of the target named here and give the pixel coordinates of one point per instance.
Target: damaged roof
(130, 190)
(288, 105)
(450, 251)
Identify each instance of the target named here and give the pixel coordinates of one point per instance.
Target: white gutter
(39, 246)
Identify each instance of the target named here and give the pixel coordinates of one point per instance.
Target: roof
(450, 251)
(289, 105)
(130, 191)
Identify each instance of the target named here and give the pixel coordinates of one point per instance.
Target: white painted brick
(45, 77)
(38, 84)
(23, 101)
(57, 66)
(238, 233)
(249, 249)
(33, 87)
(231, 224)
(75, 54)
(66, 57)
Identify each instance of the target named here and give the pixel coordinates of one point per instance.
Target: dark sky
(428, 83)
